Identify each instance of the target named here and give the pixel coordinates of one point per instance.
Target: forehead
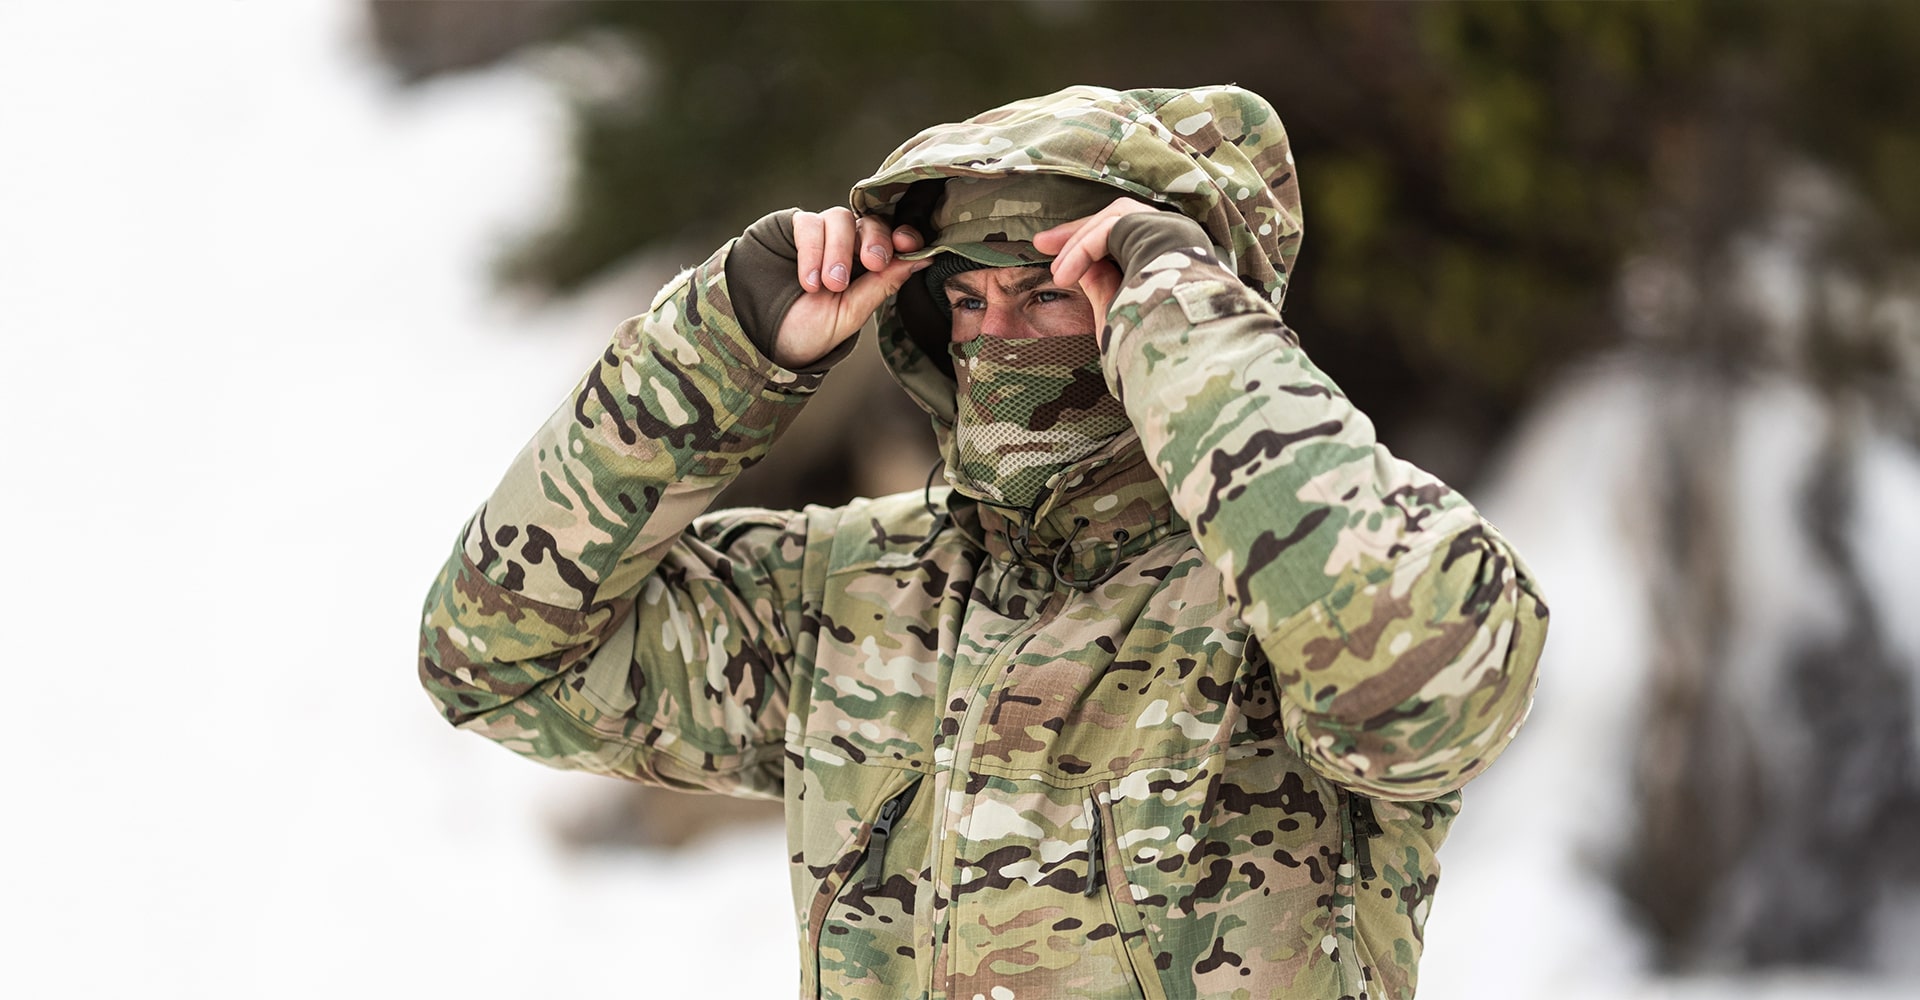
(1006, 279)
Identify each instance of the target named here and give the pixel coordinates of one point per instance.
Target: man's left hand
(1080, 254)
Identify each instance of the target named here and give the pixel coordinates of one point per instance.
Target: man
(1169, 694)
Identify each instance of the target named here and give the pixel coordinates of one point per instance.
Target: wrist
(1140, 238)
(760, 279)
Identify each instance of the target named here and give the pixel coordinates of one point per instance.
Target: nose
(1002, 319)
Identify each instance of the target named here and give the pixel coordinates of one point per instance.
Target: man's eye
(968, 304)
(1049, 295)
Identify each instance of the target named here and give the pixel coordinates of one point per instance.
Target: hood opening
(1218, 155)
(926, 326)
(981, 222)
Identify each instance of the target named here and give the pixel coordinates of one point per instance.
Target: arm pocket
(1203, 301)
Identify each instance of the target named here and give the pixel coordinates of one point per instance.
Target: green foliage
(1473, 174)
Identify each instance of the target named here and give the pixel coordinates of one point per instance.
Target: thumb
(1100, 284)
(869, 290)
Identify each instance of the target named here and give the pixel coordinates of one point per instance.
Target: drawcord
(942, 519)
(1023, 552)
(1059, 554)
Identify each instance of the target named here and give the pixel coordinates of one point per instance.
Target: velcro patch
(1211, 300)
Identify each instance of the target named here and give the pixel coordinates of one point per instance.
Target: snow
(1525, 899)
(254, 381)
(1886, 541)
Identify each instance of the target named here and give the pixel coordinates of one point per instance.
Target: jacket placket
(964, 703)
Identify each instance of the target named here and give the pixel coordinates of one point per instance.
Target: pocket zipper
(1096, 842)
(875, 864)
(1365, 827)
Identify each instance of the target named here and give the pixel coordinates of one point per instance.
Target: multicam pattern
(1135, 742)
(993, 220)
(1218, 154)
(1029, 407)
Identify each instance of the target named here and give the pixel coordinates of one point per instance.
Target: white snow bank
(1527, 907)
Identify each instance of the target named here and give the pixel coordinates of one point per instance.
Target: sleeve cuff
(1142, 237)
(760, 276)
(761, 282)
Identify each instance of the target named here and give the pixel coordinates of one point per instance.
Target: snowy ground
(253, 382)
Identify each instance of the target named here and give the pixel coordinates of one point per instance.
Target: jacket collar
(1094, 515)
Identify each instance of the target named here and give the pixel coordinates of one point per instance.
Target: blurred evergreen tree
(1473, 174)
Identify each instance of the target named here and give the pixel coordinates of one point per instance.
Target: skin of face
(1016, 302)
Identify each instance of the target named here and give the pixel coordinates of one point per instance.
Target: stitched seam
(756, 754)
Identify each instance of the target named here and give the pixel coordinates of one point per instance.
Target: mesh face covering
(1027, 408)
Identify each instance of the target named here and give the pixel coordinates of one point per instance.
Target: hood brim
(996, 253)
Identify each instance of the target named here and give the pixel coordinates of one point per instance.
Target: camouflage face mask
(1027, 408)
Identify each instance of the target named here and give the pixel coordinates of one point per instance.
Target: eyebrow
(1041, 274)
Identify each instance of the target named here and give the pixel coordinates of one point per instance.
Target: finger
(836, 258)
(1066, 266)
(876, 242)
(1051, 240)
(872, 288)
(1088, 244)
(809, 237)
(1062, 234)
(1100, 285)
(907, 239)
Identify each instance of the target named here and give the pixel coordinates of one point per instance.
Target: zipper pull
(1365, 827)
(1095, 848)
(882, 830)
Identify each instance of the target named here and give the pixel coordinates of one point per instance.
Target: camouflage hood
(1217, 154)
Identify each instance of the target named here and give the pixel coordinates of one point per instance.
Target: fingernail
(837, 272)
(879, 253)
(813, 278)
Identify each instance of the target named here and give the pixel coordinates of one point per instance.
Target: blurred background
(284, 287)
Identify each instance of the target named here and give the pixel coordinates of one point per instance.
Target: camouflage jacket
(1193, 726)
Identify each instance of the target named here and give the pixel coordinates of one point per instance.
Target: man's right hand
(836, 298)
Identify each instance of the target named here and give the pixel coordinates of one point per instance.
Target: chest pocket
(1109, 686)
(886, 641)
(860, 922)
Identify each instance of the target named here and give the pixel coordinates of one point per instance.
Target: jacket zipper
(1011, 648)
(1130, 937)
(875, 864)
